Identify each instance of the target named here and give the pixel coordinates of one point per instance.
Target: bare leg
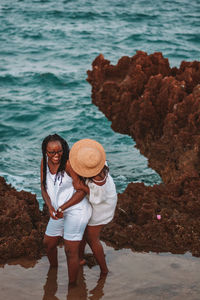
(51, 242)
(92, 235)
(72, 254)
(82, 250)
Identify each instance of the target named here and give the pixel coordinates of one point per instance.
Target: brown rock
(159, 107)
(22, 224)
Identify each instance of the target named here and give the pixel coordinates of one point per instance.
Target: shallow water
(132, 275)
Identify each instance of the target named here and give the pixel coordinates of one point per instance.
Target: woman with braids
(57, 188)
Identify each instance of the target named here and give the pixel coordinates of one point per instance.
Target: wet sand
(132, 275)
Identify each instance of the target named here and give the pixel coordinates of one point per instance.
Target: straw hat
(87, 157)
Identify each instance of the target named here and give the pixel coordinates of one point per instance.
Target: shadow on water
(80, 291)
(51, 286)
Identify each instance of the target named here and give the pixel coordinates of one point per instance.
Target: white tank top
(103, 200)
(58, 192)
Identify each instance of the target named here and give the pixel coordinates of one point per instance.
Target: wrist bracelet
(60, 210)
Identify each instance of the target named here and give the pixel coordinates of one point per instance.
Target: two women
(70, 210)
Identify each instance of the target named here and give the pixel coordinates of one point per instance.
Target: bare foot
(82, 262)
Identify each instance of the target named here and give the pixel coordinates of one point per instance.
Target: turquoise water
(46, 47)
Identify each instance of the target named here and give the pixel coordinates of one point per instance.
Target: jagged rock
(22, 224)
(159, 107)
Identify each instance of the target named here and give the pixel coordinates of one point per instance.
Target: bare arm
(45, 195)
(79, 194)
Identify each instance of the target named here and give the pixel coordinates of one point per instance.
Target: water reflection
(81, 291)
(78, 292)
(97, 293)
(51, 286)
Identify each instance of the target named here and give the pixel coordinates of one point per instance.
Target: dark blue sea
(46, 48)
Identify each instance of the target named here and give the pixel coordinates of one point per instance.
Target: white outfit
(103, 200)
(76, 217)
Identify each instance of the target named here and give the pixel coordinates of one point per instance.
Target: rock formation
(22, 224)
(159, 107)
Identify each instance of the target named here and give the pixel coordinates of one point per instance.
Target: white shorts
(72, 225)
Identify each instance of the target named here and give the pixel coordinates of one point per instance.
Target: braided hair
(64, 158)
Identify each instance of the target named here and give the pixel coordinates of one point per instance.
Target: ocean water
(46, 48)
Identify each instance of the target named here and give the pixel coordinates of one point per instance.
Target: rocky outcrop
(159, 107)
(22, 224)
(136, 225)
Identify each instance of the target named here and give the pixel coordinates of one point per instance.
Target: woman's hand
(59, 214)
(52, 212)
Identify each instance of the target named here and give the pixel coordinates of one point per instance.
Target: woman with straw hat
(88, 159)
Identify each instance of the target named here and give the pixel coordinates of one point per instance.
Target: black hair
(64, 157)
(105, 171)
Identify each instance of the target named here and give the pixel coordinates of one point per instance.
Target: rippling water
(46, 47)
